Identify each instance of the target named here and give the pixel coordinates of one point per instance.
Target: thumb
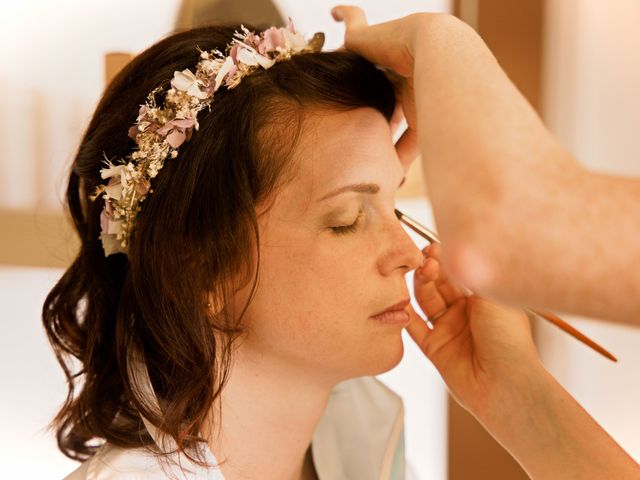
(352, 16)
(418, 329)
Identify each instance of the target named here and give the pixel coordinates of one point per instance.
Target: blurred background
(575, 60)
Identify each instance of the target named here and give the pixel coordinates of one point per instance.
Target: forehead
(335, 148)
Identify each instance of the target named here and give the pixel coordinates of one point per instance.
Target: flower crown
(161, 129)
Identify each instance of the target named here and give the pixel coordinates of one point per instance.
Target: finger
(426, 291)
(382, 44)
(448, 327)
(431, 340)
(417, 328)
(352, 16)
(449, 291)
(408, 148)
(366, 40)
(431, 272)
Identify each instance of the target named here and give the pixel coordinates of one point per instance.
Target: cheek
(319, 299)
(312, 307)
(313, 283)
(312, 291)
(330, 277)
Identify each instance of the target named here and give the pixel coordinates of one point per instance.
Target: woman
(221, 298)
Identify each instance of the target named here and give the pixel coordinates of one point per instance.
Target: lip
(393, 317)
(400, 306)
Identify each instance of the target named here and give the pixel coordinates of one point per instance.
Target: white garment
(360, 436)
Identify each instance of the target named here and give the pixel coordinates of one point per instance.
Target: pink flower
(143, 187)
(232, 72)
(108, 225)
(141, 125)
(252, 39)
(133, 132)
(104, 219)
(290, 26)
(175, 131)
(142, 111)
(273, 38)
(233, 53)
(114, 188)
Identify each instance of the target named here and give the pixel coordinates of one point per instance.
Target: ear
(214, 304)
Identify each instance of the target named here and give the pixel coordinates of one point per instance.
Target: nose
(400, 252)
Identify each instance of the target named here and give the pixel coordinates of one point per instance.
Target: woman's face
(332, 253)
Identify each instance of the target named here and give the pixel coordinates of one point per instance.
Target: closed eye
(344, 229)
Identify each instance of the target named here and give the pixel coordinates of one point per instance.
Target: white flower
(116, 186)
(115, 227)
(265, 62)
(209, 66)
(112, 171)
(252, 58)
(224, 69)
(114, 191)
(111, 245)
(294, 41)
(187, 82)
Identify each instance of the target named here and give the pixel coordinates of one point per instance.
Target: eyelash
(348, 228)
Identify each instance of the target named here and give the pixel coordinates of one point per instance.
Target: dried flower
(160, 130)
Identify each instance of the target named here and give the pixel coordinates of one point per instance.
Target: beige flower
(186, 81)
(224, 70)
(249, 56)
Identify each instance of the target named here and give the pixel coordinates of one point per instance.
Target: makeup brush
(432, 237)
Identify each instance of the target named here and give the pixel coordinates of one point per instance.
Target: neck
(270, 410)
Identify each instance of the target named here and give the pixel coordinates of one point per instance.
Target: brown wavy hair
(197, 233)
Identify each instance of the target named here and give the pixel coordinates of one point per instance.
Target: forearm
(551, 435)
(477, 132)
(503, 189)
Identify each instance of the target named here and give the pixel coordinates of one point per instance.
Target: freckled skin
(308, 326)
(317, 288)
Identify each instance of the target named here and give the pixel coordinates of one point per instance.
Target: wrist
(521, 391)
(549, 433)
(435, 30)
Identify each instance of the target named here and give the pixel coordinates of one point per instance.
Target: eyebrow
(370, 188)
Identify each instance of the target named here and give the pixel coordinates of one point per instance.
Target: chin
(385, 357)
(383, 353)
